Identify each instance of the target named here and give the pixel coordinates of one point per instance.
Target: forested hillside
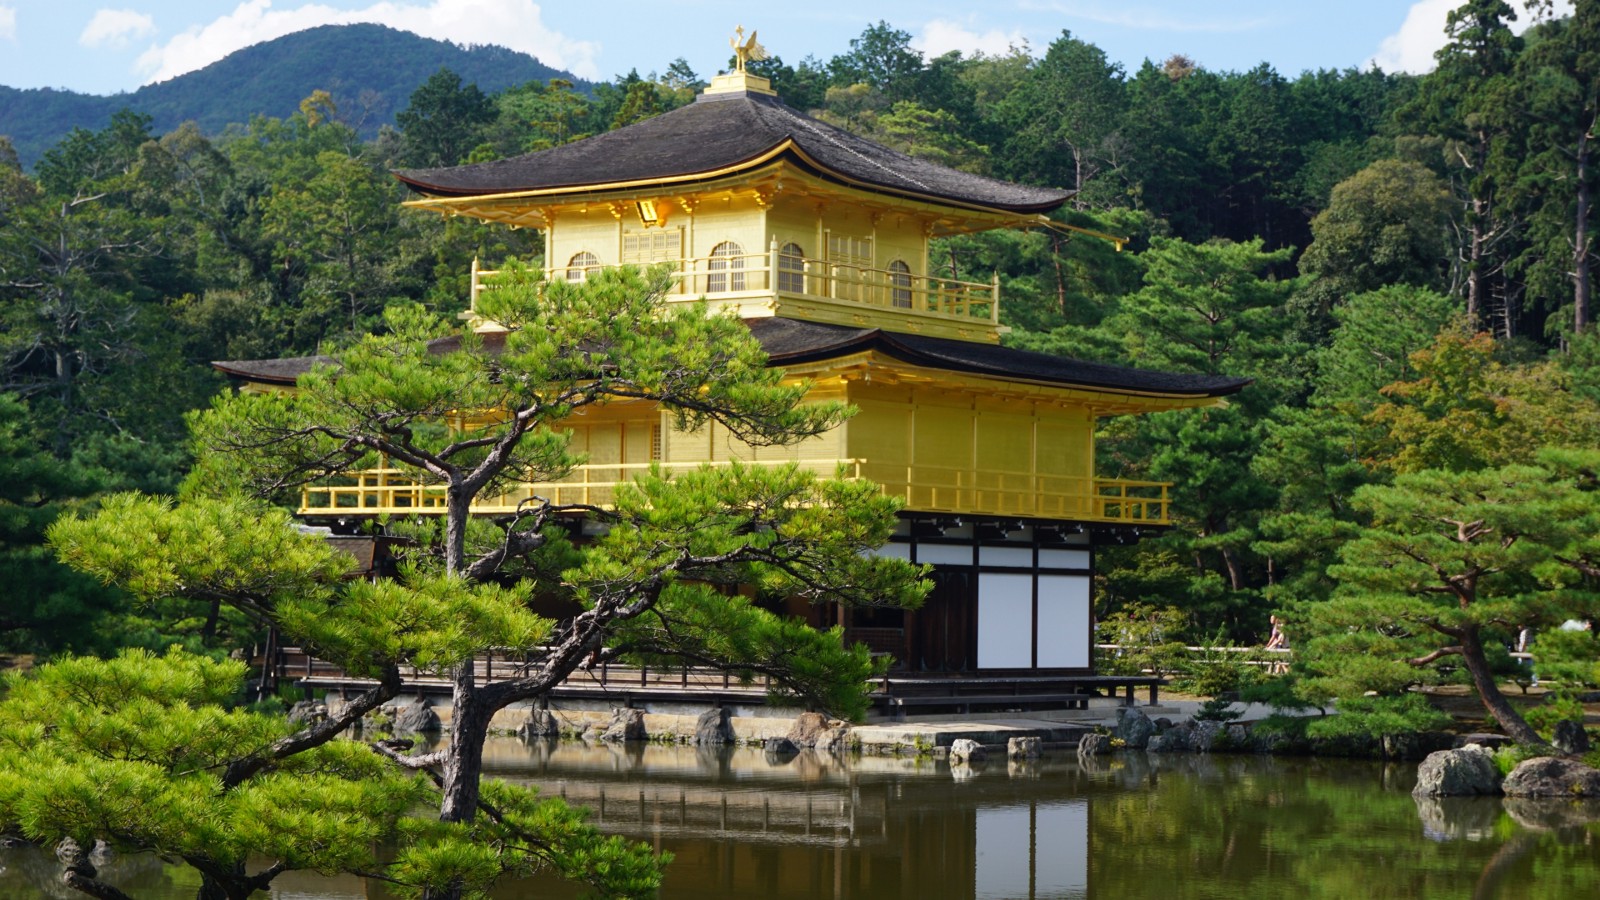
(1403, 265)
(369, 70)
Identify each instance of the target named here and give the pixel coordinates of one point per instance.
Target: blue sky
(107, 47)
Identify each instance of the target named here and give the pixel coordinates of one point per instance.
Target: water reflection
(809, 826)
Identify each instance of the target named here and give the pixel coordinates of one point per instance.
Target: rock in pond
(1133, 727)
(966, 750)
(1465, 771)
(1552, 776)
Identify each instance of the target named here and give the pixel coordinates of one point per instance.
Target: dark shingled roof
(716, 132)
(792, 342)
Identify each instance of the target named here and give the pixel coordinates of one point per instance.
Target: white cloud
(510, 23)
(116, 28)
(8, 23)
(1421, 35)
(1411, 48)
(941, 36)
(1147, 18)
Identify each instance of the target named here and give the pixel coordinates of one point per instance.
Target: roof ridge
(807, 122)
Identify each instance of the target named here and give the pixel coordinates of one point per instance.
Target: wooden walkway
(894, 696)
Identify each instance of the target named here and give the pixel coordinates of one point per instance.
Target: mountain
(371, 71)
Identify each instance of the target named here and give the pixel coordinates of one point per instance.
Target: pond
(1131, 825)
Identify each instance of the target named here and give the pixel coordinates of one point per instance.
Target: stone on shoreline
(1133, 727)
(965, 750)
(1464, 771)
(1094, 744)
(1552, 776)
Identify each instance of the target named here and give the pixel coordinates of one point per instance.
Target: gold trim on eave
(446, 204)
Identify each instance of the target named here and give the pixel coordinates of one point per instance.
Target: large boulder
(1024, 748)
(1552, 776)
(1134, 728)
(965, 750)
(1462, 772)
(626, 725)
(417, 719)
(1177, 739)
(1570, 738)
(711, 728)
(779, 749)
(834, 740)
(308, 712)
(808, 726)
(1094, 744)
(542, 723)
(1205, 735)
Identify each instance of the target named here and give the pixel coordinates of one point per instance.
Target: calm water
(1128, 826)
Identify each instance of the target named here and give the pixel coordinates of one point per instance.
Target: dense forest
(369, 70)
(1402, 265)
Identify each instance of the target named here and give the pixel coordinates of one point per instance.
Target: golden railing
(924, 488)
(761, 275)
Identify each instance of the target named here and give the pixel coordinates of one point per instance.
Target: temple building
(819, 239)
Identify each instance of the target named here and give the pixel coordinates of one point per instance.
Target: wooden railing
(394, 491)
(924, 488)
(758, 275)
(295, 665)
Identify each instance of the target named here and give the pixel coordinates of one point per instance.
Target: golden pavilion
(819, 239)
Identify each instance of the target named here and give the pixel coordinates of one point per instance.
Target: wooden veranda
(894, 696)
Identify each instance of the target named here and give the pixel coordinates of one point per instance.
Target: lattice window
(654, 246)
(849, 259)
(581, 264)
(792, 269)
(850, 251)
(726, 267)
(900, 284)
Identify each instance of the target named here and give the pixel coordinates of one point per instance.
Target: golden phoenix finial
(746, 51)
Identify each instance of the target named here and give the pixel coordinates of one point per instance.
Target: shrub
(1557, 706)
(1372, 717)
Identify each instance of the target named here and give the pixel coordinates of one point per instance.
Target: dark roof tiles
(792, 342)
(718, 132)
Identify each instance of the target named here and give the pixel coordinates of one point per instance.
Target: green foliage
(1509, 757)
(371, 68)
(1447, 558)
(1387, 225)
(1365, 717)
(134, 755)
(473, 858)
(1555, 707)
(1568, 658)
(1150, 639)
(1217, 710)
(1210, 674)
(443, 121)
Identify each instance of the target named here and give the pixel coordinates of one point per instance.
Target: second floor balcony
(932, 489)
(777, 284)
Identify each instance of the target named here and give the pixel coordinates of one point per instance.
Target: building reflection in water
(740, 823)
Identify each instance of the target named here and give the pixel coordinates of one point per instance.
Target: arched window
(900, 284)
(792, 269)
(726, 268)
(579, 265)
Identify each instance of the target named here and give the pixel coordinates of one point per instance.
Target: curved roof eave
(723, 135)
(786, 149)
(797, 342)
